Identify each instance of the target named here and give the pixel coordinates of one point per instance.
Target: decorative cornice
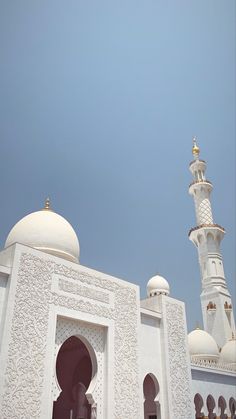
(205, 363)
(200, 181)
(206, 225)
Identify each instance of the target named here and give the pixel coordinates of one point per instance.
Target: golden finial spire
(47, 205)
(198, 327)
(195, 148)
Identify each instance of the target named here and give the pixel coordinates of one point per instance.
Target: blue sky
(99, 104)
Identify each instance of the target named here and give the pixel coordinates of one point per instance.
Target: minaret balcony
(207, 226)
(199, 183)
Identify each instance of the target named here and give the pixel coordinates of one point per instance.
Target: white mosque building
(79, 344)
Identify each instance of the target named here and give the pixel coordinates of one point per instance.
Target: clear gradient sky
(99, 104)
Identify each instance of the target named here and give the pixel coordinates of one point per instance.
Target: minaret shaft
(215, 298)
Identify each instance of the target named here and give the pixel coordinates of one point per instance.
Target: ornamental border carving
(180, 383)
(25, 358)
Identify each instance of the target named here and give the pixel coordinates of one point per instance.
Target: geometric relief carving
(179, 369)
(204, 211)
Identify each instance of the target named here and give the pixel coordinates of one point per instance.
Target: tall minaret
(216, 301)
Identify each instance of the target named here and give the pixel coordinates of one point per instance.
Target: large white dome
(47, 231)
(157, 285)
(202, 345)
(228, 352)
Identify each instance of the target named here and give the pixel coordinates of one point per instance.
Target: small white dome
(228, 352)
(202, 345)
(157, 285)
(47, 231)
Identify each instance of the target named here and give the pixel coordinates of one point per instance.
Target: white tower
(216, 301)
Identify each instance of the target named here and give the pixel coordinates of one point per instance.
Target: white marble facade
(140, 362)
(49, 300)
(45, 294)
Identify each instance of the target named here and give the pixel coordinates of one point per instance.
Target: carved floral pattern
(26, 351)
(24, 373)
(179, 374)
(126, 346)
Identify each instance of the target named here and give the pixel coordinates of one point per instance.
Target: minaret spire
(195, 149)
(206, 235)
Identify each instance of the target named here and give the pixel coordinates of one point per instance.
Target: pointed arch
(211, 406)
(232, 407)
(198, 403)
(222, 406)
(151, 388)
(76, 369)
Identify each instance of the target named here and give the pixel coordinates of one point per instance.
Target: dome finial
(195, 148)
(198, 327)
(47, 205)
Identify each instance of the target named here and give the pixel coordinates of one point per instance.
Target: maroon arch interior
(74, 374)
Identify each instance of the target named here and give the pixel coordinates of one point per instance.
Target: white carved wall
(34, 291)
(177, 364)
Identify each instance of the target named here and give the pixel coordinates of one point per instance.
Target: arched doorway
(150, 392)
(232, 407)
(198, 403)
(74, 370)
(211, 406)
